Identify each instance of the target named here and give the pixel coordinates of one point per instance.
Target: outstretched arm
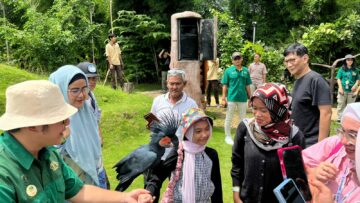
(89, 193)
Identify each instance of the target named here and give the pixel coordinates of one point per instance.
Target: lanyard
(338, 194)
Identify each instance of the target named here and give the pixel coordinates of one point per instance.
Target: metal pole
(92, 36)
(254, 31)
(6, 41)
(111, 21)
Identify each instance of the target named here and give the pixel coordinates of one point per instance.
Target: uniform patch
(31, 190)
(54, 165)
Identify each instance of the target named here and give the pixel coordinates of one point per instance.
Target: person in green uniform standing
(348, 79)
(35, 119)
(235, 93)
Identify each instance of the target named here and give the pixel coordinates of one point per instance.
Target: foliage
(139, 35)
(230, 36)
(48, 40)
(159, 10)
(328, 41)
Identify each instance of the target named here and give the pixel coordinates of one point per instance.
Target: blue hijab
(83, 144)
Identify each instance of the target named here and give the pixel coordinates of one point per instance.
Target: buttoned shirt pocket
(60, 186)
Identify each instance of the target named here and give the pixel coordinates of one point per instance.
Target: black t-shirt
(309, 92)
(164, 63)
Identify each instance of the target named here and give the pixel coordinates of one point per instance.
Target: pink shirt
(257, 71)
(320, 152)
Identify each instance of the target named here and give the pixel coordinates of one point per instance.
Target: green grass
(123, 125)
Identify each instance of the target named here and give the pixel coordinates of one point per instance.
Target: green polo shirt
(348, 76)
(26, 179)
(236, 82)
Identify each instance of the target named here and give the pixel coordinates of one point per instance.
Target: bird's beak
(166, 142)
(168, 145)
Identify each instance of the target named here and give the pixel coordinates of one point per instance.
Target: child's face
(92, 82)
(201, 132)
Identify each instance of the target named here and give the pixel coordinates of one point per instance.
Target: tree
(139, 37)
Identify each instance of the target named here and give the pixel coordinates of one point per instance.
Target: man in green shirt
(236, 90)
(35, 119)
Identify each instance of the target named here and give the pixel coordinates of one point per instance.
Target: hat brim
(9, 122)
(195, 121)
(91, 75)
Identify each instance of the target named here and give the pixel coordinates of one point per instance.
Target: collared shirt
(23, 178)
(348, 78)
(257, 71)
(213, 69)
(113, 52)
(320, 152)
(236, 82)
(94, 106)
(162, 106)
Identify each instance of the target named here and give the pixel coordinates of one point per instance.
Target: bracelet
(236, 189)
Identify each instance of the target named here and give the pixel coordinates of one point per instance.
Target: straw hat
(34, 103)
(349, 56)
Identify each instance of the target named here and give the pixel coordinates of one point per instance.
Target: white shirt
(162, 105)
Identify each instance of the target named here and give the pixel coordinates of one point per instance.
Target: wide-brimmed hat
(349, 56)
(88, 68)
(34, 103)
(192, 116)
(235, 54)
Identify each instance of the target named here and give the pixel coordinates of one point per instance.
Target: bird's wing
(135, 163)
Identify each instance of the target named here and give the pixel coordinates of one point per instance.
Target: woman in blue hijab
(82, 149)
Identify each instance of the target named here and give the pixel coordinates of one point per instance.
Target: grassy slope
(123, 126)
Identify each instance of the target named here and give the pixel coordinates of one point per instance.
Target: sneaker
(207, 105)
(218, 106)
(229, 140)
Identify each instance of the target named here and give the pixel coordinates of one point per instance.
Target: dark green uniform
(236, 82)
(26, 179)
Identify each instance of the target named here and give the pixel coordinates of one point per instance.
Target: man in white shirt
(175, 101)
(257, 73)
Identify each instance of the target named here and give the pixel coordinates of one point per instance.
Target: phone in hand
(150, 118)
(292, 166)
(288, 192)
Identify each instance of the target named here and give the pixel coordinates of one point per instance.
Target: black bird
(149, 155)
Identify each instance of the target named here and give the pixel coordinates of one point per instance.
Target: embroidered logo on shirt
(54, 165)
(31, 190)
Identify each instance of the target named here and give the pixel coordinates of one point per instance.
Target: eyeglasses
(350, 136)
(76, 91)
(291, 61)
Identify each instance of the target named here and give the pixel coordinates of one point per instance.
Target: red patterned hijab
(276, 99)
